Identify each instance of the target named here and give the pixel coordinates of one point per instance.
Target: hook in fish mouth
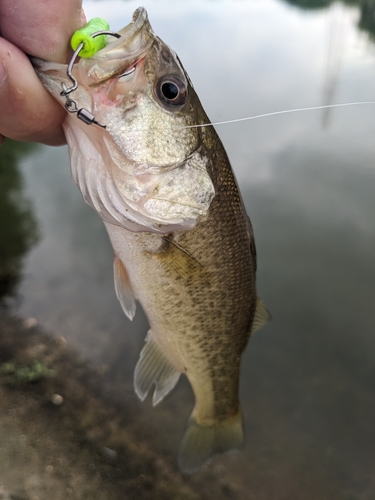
(120, 55)
(71, 105)
(119, 59)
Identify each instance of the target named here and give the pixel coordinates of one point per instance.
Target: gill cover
(145, 170)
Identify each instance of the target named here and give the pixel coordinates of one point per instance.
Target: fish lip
(136, 38)
(135, 41)
(139, 18)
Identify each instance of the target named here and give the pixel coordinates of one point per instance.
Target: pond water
(307, 178)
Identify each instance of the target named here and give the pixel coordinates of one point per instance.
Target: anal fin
(123, 288)
(153, 367)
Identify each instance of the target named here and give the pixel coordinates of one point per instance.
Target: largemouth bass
(184, 246)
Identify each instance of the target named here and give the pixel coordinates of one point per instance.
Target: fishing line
(91, 38)
(274, 113)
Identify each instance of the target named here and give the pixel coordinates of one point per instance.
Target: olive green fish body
(160, 179)
(197, 288)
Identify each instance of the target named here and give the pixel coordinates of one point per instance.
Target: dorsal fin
(261, 316)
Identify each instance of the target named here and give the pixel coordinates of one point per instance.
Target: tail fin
(200, 442)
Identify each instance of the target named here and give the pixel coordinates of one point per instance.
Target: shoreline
(61, 435)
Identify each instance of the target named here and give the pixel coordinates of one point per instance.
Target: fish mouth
(117, 59)
(121, 54)
(139, 23)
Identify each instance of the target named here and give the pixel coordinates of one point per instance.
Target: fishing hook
(71, 105)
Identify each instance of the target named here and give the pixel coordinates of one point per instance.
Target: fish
(146, 159)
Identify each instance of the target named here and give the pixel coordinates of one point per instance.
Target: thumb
(39, 28)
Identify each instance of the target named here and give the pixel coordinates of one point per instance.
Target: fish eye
(171, 91)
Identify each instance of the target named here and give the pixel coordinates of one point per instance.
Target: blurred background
(307, 179)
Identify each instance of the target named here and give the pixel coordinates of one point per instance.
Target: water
(307, 385)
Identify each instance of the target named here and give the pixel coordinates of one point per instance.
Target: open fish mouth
(122, 54)
(118, 59)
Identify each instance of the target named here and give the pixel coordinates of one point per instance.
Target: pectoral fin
(123, 288)
(261, 317)
(177, 261)
(153, 367)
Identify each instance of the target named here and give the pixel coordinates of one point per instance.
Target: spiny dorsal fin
(261, 316)
(123, 288)
(153, 367)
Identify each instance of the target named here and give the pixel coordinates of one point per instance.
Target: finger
(41, 28)
(27, 111)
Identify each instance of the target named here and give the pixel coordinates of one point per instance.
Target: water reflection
(310, 4)
(321, 4)
(366, 20)
(18, 226)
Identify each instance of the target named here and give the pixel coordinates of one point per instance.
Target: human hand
(42, 29)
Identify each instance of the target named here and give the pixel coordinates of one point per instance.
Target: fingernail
(3, 74)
